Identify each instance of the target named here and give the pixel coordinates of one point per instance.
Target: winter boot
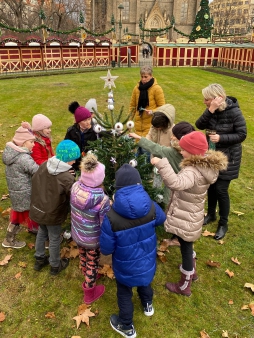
(221, 232)
(209, 218)
(92, 294)
(183, 286)
(41, 262)
(10, 239)
(64, 262)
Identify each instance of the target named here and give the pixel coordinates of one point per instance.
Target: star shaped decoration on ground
(109, 80)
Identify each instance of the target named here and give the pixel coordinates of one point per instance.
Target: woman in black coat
(226, 130)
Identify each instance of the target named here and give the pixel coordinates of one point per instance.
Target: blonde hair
(214, 90)
(146, 70)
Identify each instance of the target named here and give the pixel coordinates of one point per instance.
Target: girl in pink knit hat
(19, 170)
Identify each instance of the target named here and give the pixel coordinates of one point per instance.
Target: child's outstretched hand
(134, 135)
(155, 160)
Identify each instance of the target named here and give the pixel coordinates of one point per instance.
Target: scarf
(143, 100)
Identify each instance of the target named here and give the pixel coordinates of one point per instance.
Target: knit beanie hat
(67, 151)
(91, 104)
(23, 134)
(81, 113)
(40, 122)
(182, 128)
(127, 175)
(92, 171)
(195, 143)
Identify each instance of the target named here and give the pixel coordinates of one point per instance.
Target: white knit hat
(91, 104)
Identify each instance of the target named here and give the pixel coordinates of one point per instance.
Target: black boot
(64, 262)
(41, 262)
(209, 218)
(221, 232)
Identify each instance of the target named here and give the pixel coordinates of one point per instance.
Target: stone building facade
(155, 14)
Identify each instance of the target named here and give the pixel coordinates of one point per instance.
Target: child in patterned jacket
(89, 204)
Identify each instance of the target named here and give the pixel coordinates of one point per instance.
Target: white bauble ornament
(110, 95)
(89, 152)
(110, 101)
(94, 121)
(97, 128)
(155, 170)
(111, 107)
(159, 198)
(67, 234)
(133, 163)
(130, 124)
(118, 126)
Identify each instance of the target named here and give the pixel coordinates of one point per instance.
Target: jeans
(124, 295)
(218, 193)
(187, 254)
(53, 234)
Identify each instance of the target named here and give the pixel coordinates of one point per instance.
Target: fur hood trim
(214, 160)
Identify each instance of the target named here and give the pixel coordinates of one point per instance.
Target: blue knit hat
(67, 151)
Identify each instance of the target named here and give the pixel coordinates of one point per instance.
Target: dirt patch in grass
(235, 75)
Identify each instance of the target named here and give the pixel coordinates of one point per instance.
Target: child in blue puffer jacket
(89, 204)
(128, 233)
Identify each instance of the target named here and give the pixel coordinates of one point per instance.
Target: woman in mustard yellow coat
(146, 97)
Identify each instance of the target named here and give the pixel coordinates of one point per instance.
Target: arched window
(126, 10)
(184, 11)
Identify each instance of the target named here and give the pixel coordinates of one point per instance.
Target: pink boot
(183, 286)
(92, 294)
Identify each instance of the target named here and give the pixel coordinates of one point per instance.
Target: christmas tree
(203, 24)
(114, 147)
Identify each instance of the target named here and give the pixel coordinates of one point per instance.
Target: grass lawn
(26, 300)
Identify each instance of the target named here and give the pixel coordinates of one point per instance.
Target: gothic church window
(184, 11)
(126, 10)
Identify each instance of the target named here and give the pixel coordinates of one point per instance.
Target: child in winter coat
(185, 214)
(42, 150)
(50, 204)
(81, 131)
(89, 204)
(128, 233)
(19, 170)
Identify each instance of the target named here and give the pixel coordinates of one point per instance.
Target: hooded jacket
(163, 136)
(156, 99)
(132, 245)
(42, 149)
(231, 126)
(51, 187)
(19, 170)
(185, 214)
(88, 207)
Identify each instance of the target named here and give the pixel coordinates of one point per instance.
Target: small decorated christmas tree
(203, 24)
(114, 147)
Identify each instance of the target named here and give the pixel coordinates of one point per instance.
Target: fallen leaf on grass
(4, 197)
(162, 256)
(213, 264)
(238, 213)
(6, 259)
(245, 307)
(224, 334)
(235, 260)
(75, 337)
(31, 245)
(231, 302)
(249, 285)
(71, 251)
(106, 270)
(6, 212)
(230, 273)
(50, 315)
(84, 317)
(221, 241)
(82, 308)
(204, 334)
(207, 233)
(251, 306)
(2, 316)
(163, 246)
(22, 264)
(18, 275)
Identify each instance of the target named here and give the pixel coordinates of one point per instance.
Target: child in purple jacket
(89, 204)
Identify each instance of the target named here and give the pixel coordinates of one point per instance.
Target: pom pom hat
(195, 143)
(92, 171)
(81, 113)
(67, 151)
(182, 128)
(127, 175)
(40, 122)
(23, 134)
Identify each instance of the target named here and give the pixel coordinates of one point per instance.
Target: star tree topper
(109, 80)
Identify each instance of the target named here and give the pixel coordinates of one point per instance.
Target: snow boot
(40, 262)
(10, 239)
(194, 276)
(183, 286)
(64, 262)
(92, 294)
